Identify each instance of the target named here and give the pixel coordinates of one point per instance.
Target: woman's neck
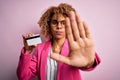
(57, 45)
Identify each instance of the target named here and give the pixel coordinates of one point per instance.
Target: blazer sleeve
(27, 66)
(96, 63)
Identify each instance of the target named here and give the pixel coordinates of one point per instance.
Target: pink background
(18, 17)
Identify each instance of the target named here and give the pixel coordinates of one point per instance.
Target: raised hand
(82, 52)
(28, 49)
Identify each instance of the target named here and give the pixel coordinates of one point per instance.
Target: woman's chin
(59, 37)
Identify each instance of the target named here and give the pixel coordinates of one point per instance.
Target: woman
(70, 47)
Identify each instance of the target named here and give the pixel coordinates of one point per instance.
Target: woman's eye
(54, 22)
(63, 22)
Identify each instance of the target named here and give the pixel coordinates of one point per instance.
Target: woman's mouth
(58, 32)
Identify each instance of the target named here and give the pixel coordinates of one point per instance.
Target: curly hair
(45, 19)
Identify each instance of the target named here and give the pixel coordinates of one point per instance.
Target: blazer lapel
(44, 56)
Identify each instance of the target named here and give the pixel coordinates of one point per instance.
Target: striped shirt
(51, 68)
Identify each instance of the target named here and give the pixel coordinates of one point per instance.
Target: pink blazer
(31, 65)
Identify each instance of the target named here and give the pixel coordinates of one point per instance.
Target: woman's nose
(59, 25)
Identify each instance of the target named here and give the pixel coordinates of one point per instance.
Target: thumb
(60, 58)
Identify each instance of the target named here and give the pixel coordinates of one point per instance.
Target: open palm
(81, 45)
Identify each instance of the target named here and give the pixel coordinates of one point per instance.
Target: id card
(34, 40)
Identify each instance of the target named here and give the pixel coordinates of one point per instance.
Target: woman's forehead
(58, 17)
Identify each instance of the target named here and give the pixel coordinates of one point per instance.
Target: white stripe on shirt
(51, 69)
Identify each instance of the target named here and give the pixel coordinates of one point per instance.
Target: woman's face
(57, 26)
